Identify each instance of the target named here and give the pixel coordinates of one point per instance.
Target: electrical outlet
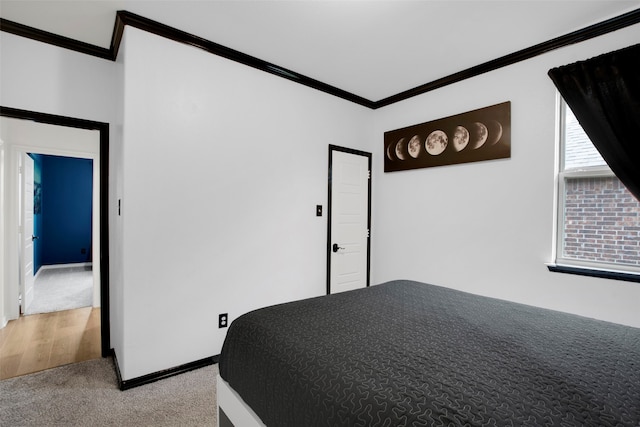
(222, 320)
(318, 210)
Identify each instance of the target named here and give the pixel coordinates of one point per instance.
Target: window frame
(572, 265)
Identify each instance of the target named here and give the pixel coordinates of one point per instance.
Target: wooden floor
(42, 341)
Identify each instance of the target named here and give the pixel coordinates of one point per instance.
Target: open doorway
(61, 143)
(61, 236)
(16, 143)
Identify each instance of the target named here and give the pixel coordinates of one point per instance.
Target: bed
(405, 353)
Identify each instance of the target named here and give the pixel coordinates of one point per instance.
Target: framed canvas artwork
(482, 134)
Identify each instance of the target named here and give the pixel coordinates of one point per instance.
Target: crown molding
(124, 18)
(574, 37)
(54, 39)
(159, 29)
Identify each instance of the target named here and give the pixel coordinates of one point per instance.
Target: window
(599, 219)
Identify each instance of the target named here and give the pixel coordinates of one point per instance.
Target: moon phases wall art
(482, 134)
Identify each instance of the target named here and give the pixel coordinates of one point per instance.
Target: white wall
(487, 227)
(38, 77)
(223, 167)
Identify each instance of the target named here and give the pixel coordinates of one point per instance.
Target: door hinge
(368, 174)
(368, 234)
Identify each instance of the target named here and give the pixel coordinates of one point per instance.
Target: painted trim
(574, 37)
(116, 37)
(124, 18)
(56, 266)
(591, 272)
(54, 39)
(368, 155)
(160, 375)
(103, 128)
(73, 264)
(174, 34)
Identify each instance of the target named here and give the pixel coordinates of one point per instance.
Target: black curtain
(604, 94)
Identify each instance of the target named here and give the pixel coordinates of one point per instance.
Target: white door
(27, 230)
(349, 219)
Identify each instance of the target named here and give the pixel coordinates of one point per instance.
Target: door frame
(25, 150)
(25, 209)
(366, 154)
(103, 256)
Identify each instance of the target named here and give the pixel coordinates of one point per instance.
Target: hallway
(42, 341)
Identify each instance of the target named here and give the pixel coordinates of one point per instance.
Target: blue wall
(67, 187)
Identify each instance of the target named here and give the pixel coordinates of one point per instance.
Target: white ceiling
(373, 49)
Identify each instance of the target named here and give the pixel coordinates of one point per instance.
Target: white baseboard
(77, 264)
(35, 276)
(54, 266)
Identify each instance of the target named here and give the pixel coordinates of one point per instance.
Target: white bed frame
(238, 412)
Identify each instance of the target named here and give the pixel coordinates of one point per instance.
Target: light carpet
(87, 394)
(63, 288)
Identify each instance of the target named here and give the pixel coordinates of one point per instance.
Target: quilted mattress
(411, 354)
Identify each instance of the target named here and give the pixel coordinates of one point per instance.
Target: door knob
(336, 248)
(33, 237)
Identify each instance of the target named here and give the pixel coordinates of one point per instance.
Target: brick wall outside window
(602, 221)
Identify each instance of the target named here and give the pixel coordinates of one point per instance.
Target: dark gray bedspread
(411, 354)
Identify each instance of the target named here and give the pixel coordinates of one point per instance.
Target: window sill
(604, 274)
